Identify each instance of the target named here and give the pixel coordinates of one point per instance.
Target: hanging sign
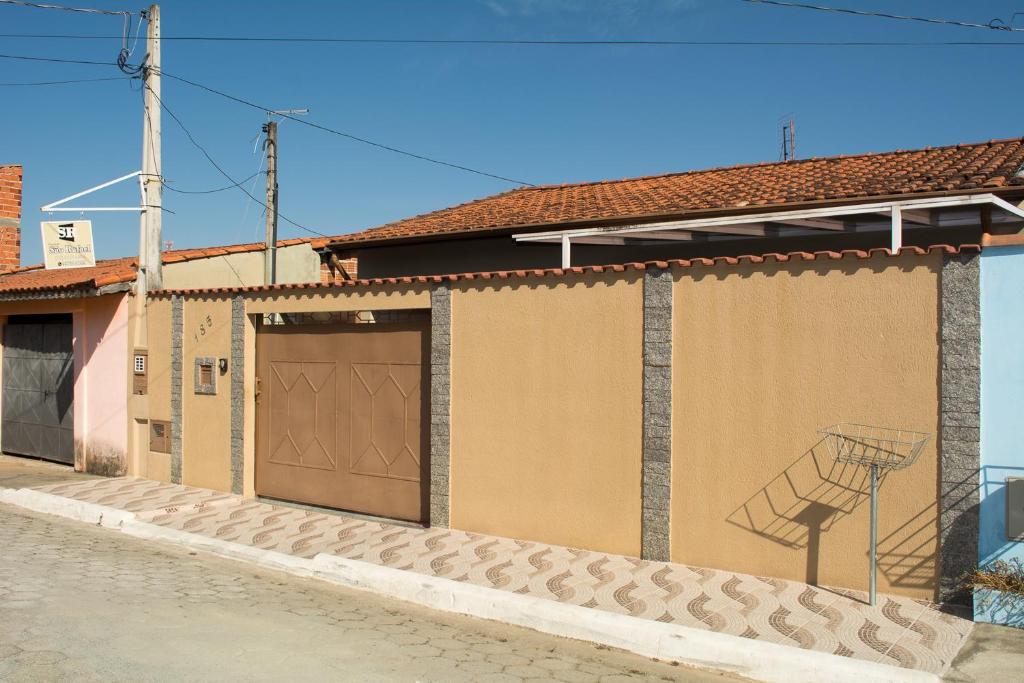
(68, 244)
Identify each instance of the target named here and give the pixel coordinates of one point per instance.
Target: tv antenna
(787, 130)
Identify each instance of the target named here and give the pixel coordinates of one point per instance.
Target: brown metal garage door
(341, 415)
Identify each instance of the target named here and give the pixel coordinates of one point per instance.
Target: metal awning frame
(822, 220)
(57, 205)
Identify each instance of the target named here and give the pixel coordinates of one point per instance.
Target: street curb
(668, 642)
(268, 559)
(753, 659)
(78, 510)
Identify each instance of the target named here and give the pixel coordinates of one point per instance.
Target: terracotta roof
(984, 166)
(576, 270)
(36, 278)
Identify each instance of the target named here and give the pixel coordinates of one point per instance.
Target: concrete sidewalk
(18, 472)
(915, 636)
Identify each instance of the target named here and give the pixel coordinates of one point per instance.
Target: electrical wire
(252, 188)
(218, 189)
(349, 136)
(85, 10)
(78, 80)
(138, 32)
(1000, 26)
(57, 60)
(221, 170)
(567, 43)
(125, 53)
(389, 148)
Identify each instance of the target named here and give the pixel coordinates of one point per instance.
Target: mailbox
(1015, 508)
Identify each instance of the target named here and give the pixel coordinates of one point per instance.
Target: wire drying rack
(859, 444)
(879, 449)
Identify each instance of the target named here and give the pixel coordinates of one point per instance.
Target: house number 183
(205, 326)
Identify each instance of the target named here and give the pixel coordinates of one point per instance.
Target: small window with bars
(140, 382)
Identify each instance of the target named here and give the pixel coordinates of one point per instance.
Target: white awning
(894, 217)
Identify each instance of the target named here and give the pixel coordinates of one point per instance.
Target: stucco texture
(546, 410)
(155, 465)
(206, 419)
(298, 263)
(764, 356)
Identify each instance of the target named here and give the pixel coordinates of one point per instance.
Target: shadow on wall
(810, 496)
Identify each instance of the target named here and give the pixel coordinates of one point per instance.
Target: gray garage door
(38, 388)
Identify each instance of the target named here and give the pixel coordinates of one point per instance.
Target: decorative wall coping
(717, 262)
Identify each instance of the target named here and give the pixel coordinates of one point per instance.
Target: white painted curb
(269, 559)
(669, 642)
(77, 510)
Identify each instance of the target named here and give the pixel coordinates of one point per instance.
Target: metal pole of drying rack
(881, 450)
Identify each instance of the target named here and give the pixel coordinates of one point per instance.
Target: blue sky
(541, 114)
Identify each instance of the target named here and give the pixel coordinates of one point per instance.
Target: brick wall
(10, 217)
(330, 274)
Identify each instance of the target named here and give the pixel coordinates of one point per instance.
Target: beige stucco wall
(206, 419)
(296, 263)
(156, 404)
(546, 410)
(764, 355)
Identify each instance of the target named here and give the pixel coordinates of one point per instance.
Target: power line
(305, 122)
(349, 136)
(77, 80)
(1000, 26)
(125, 53)
(252, 188)
(567, 43)
(57, 60)
(220, 169)
(218, 189)
(84, 10)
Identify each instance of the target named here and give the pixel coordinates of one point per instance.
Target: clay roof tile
(964, 167)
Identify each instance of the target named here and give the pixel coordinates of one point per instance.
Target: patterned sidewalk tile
(898, 631)
(136, 495)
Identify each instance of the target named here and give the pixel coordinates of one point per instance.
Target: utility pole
(270, 253)
(150, 276)
(273, 198)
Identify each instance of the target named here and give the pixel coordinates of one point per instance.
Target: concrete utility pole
(150, 275)
(270, 253)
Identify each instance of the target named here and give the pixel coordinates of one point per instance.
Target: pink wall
(101, 384)
(100, 351)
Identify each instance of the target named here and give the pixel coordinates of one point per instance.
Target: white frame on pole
(57, 205)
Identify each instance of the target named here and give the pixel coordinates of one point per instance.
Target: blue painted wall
(1002, 395)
